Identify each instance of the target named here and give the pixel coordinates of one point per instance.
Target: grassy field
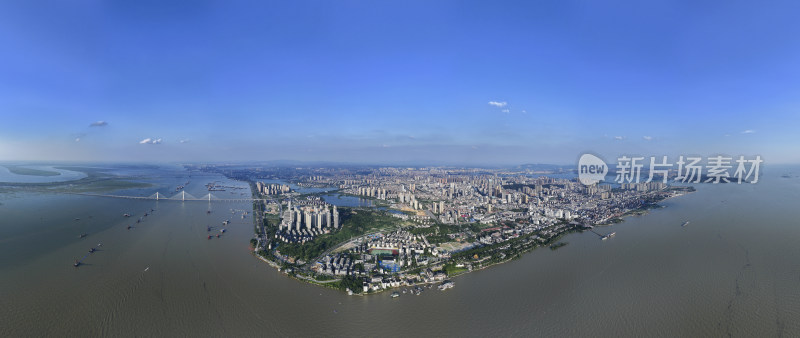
(30, 172)
(452, 270)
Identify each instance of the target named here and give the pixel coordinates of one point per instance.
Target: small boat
(208, 228)
(126, 215)
(77, 263)
(395, 294)
(147, 268)
(209, 236)
(685, 223)
(208, 212)
(77, 219)
(217, 235)
(129, 227)
(81, 235)
(99, 244)
(92, 250)
(608, 236)
(222, 230)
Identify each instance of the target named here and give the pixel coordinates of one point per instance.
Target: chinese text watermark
(687, 169)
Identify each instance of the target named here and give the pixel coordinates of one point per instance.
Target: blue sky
(398, 82)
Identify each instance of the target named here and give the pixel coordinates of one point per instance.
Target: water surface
(732, 270)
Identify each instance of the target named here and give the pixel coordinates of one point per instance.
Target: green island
(20, 170)
(97, 180)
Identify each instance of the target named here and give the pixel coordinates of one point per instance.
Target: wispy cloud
(619, 138)
(99, 124)
(506, 111)
(647, 138)
(498, 104)
(150, 141)
(77, 139)
(748, 131)
(184, 141)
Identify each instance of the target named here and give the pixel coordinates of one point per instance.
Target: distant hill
(545, 167)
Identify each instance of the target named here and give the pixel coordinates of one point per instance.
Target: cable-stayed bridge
(181, 196)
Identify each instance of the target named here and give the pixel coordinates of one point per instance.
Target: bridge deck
(178, 197)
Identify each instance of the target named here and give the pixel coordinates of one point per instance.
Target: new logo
(591, 169)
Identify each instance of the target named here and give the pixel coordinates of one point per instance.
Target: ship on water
(608, 236)
(685, 223)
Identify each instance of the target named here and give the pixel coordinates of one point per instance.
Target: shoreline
(328, 284)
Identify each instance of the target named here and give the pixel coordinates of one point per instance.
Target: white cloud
(506, 111)
(524, 112)
(498, 104)
(647, 138)
(748, 131)
(77, 139)
(619, 138)
(150, 141)
(184, 141)
(99, 124)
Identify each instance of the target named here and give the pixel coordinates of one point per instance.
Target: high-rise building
(335, 218)
(328, 218)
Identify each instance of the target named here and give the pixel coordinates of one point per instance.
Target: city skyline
(391, 83)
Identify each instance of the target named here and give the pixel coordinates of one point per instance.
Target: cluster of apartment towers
(302, 224)
(272, 189)
(402, 197)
